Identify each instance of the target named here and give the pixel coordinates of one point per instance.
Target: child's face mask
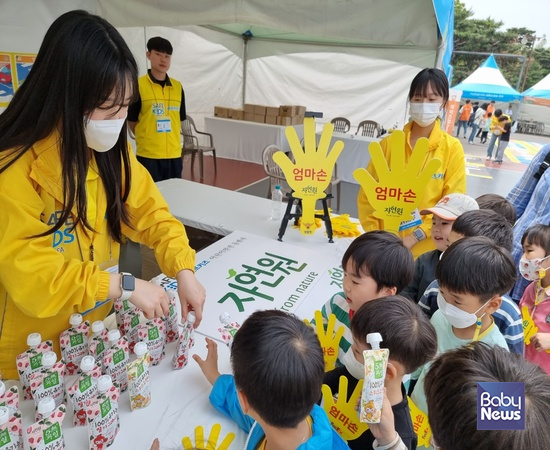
(531, 269)
(456, 316)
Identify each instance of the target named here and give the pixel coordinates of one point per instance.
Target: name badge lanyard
(163, 125)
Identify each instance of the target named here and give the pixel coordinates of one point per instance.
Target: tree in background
(485, 35)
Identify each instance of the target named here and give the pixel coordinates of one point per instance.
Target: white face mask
(531, 269)
(102, 135)
(354, 367)
(456, 316)
(424, 114)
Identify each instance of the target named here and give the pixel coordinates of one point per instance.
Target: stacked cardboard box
(273, 115)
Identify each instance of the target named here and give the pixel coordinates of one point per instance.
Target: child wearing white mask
(535, 266)
(428, 95)
(412, 342)
(473, 274)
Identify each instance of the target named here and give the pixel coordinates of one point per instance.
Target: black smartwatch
(127, 285)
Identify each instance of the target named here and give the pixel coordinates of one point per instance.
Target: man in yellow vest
(156, 117)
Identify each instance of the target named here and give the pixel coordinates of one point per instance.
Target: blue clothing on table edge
(224, 398)
(507, 318)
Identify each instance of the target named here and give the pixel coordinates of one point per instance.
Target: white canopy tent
(539, 94)
(341, 57)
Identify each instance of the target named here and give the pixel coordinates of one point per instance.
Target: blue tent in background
(488, 83)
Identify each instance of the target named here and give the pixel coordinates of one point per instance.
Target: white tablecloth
(355, 154)
(245, 141)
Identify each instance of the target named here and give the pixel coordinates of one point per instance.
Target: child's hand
(541, 341)
(209, 366)
(156, 445)
(384, 432)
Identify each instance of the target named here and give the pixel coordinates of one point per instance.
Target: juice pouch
(139, 382)
(11, 431)
(372, 397)
(171, 320)
(9, 398)
(131, 324)
(98, 342)
(103, 419)
(228, 329)
(49, 381)
(74, 343)
(116, 358)
(179, 361)
(30, 361)
(121, 308)
(153, 333)
(84, 389)
(47, 433)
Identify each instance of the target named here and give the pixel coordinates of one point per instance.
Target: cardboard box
(249, 116)
(285, 121)
(220, 111)
(235, 114)
(272, 111)
(259, 110)
(287, 111)
(300, 110)
(260, 118)
(271, 120)
(249, 108)
(297, 120)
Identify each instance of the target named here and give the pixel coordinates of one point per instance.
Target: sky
(531, 14)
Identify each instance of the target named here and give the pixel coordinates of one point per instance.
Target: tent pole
(245, 65)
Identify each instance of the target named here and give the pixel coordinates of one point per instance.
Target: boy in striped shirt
(375, 265)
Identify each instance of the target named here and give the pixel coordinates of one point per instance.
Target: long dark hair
(82, 63)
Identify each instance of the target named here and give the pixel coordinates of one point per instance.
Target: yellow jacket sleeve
(154, 226)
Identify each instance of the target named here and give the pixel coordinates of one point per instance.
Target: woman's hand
(192, 295)
(151, 299)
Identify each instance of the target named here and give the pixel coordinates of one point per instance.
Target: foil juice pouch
(11, 431)
(9, 398)
(153, 333)
(228, 328)
(30, 361)
(131, 324)
(116, 358)
(121, 308)
(185, 341)
(74, 343)
(47, 434)
(84, 389)
(103, 418)
(171, 320)
(98, 342)
(49, 381)
(139, 381)
(372, 396)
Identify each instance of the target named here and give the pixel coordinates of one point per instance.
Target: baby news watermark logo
(500, 406)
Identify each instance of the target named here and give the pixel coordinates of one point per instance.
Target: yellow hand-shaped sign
(211, 443)
(329, 339)
(420, 424)
(311, 172)
(342, 414)
(529, 327)
(398, 190)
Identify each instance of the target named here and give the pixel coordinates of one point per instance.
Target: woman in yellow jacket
(428, 95)
(71, 188)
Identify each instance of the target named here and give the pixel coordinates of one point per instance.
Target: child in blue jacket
(278, 371)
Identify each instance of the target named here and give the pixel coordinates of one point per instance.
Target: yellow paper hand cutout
(329, 339)
(211, 443)
(399, 189)
(420, 424)
(529, 327)
(342, 414)
(311, 172)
